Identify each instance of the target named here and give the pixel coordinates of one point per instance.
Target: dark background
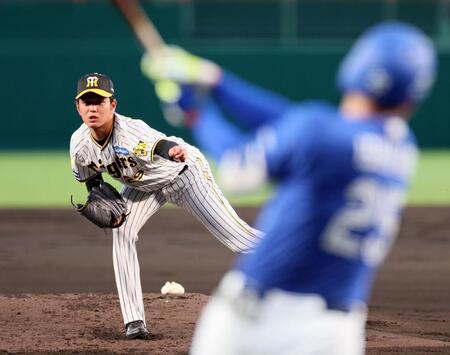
(290, 46)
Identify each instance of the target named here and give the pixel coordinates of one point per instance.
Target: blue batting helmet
(392, 63)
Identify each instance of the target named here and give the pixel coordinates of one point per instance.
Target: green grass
(431, 184)
(44, 179)
(37, 179)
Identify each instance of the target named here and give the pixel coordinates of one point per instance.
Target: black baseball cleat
(137, 330)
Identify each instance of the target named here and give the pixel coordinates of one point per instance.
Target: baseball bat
(143, 28)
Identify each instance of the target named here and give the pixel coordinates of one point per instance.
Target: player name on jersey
(387, 155)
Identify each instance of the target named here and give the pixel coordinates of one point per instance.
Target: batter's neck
(356, 106)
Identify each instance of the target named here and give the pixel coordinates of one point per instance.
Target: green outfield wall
(293, 47)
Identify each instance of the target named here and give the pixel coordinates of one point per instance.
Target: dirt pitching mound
(59, 293)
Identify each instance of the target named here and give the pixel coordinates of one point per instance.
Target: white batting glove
(175, 64)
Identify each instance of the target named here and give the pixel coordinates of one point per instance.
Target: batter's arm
(243, 170)
(241, 157)
(279, 151)
(213, 133)
(251, 105)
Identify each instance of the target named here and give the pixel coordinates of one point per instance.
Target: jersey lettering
(116, 167)
(123, 161)
(133, 163)
(114, 170)
(119, 162)
(94, 167)
(366, 225)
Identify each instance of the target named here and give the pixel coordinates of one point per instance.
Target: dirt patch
(58, 290)
(92, 324)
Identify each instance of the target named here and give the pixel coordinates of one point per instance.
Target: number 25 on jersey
(366, 226)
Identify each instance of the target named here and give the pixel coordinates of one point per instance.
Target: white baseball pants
(235, 322)
(196, 192)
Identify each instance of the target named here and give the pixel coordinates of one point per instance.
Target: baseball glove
(104, 207)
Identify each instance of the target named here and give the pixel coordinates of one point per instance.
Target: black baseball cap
(97, 83)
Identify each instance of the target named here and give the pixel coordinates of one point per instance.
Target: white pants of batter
(196, 192)
(235, 322)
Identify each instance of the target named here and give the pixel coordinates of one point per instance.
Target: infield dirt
(58, 291)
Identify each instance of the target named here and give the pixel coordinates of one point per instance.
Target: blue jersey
(336, 210)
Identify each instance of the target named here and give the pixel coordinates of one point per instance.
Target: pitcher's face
(96, 111)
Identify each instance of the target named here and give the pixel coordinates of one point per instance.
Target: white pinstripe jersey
(127, 155)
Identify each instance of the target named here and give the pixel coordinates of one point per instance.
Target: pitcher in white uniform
(154, 169)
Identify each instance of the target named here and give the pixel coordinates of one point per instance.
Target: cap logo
(92, 82)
